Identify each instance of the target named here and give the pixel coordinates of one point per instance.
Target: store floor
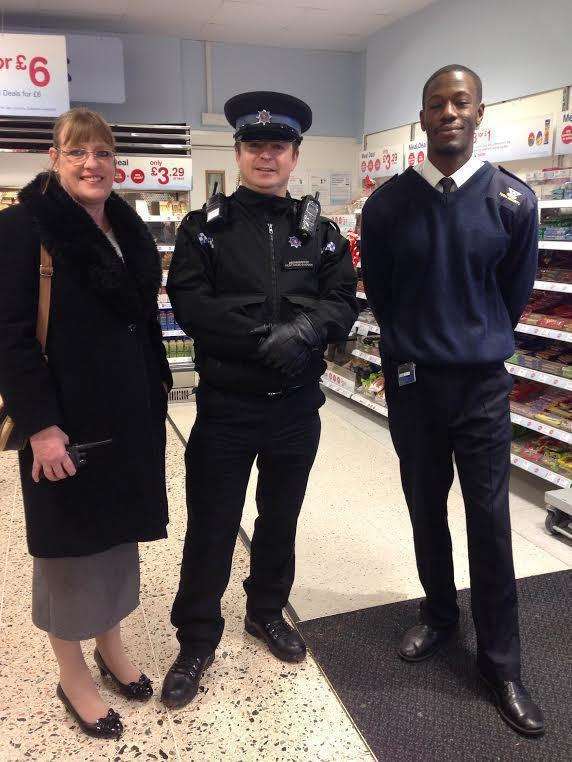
(251, 706)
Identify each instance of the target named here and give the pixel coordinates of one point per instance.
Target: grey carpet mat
(439, 710)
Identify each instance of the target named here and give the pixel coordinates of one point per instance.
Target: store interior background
(353, 550)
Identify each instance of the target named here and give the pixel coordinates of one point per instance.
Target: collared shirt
(429, 172)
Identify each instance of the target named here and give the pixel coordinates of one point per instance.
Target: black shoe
(422, 641)
(282, 640)
(106, 727)
(139, 691)
(181, 683)
(515, 706)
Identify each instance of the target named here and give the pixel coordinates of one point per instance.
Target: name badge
(298, 264)
(406, 374)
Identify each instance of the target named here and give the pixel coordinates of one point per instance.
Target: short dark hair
(450, 68)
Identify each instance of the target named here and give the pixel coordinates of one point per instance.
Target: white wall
(517, 48)
(215, 151)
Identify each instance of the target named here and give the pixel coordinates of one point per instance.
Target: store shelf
(164, 306)
(556, 245)
(375, 359)
(552, 204)
(362, 327)
(548, 285)
(541, 471)
(158, 218)
(361, 399)
(358, 397)
(181, 363)
(173, 334)
(336, 388)
(542, 428)
(164, 278)
(165, 247)
(537, 375)
(361, 295)
(547, 333)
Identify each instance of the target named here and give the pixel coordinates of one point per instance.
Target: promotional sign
(320, 181)
(298, 186)
(96, 69)
(154, 173)
(416, 152)
(33, 75)
(384, 162)
(564, 133)
(345, 222)
(340, 188)
(529, 138)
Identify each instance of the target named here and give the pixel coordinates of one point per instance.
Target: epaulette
(331, 223)
(515, 177)
(195, 217)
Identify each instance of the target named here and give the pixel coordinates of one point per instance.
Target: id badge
(406, 374)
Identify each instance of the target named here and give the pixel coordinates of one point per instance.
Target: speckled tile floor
(250, 706)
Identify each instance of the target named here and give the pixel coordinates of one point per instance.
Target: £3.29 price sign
(154, 172)
(33, 75)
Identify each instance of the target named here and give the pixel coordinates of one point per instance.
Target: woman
(105, 377)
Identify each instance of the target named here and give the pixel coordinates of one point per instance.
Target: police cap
(268, 116)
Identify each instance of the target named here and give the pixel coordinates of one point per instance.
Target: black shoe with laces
(515, 706)
(282, 640)
(181, 682)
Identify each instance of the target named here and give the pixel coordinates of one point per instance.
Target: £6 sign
(33, 75)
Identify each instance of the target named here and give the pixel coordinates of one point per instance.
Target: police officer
(262, 283)
(450, 251)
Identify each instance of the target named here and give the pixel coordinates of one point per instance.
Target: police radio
(217, 210)
(308, 216)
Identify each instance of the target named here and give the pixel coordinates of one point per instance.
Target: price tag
(153, 172)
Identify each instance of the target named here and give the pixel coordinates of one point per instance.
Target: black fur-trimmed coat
(103, 379)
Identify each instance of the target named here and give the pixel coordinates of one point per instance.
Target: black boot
(181, 682)
(422, 641)
(282, 640)
(515, 706)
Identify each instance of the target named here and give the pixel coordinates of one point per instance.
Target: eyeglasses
(80, 155)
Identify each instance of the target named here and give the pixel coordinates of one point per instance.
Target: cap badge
(294, 242)
(264, 117)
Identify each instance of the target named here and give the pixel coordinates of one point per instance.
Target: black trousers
(461, 412)
(230, 432)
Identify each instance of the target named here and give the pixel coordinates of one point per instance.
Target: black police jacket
(255, 270)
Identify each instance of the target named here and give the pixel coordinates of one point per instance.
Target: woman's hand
(50, 454)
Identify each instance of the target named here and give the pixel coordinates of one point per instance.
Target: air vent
(31, 135)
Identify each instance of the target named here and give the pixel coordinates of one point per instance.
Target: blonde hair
(81, 125)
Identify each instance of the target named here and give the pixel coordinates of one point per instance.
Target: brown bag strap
(46, 272)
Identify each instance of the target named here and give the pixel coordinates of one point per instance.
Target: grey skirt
(79, 598)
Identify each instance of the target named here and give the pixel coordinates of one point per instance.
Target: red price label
(420, 157)
(370, 165)
(567, 134)
(162, 173)
(411, 159)
(138, 176)
(363, 166)
(377, 165)
(37, 70)
(178, 172)
(120, 175)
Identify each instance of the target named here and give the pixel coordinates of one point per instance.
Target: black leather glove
(288, 346)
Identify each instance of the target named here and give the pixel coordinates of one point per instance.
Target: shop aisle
(251, 706)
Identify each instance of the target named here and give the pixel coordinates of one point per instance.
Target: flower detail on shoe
(142, 689)
(110, 724)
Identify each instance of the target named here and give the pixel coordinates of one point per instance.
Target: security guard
(450, 252)
(262, 283)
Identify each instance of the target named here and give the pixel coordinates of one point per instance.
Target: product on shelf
(8, 198)
(556, 226)
(547, 405)
(543, 450)
(373, 385)
(179, 348)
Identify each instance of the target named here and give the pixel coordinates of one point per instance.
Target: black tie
(447, 184)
